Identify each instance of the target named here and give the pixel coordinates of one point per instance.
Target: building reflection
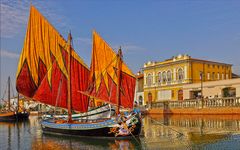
(195, 129)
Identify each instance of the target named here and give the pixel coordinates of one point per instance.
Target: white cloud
(129, 48)
(82, 40)
(8, 54)
(14, 16)
(236, 69)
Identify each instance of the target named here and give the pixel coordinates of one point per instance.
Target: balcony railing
(198, 103)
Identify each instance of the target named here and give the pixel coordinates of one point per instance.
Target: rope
(59, 90)
(120, 118)
(180, 133)
(11, 84)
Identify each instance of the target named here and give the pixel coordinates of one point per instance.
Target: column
(185, 72)
(174, 74)
(145, 79)
(153, 78)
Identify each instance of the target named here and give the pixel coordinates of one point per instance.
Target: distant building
(213, 89)
(165, 80)
(139, 94)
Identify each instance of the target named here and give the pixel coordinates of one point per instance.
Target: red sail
(103, 75)
(42, 73)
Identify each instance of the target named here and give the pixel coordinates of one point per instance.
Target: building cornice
(162, 64)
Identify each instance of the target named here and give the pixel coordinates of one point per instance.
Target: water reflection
(159, 132)
(187, 132)
(58, 142)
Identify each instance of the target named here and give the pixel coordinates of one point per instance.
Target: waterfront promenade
(215, 106)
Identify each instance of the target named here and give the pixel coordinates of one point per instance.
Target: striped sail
(104, 77)
(42, 69)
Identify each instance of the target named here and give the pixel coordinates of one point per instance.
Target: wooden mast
(17, 102)
(119, 70)
(9, 82)
(69, 98)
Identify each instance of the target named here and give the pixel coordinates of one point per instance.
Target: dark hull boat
(11, 114)
(102, 128)
(14, 116)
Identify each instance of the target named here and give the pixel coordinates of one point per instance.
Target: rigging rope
(57, 99)
(179, 134)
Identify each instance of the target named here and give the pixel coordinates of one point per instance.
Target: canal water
(158, 132)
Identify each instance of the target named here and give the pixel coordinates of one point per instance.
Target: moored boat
(57, 76)
(11, 114)
(14, 116)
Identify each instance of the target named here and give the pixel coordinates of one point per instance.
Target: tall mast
(69, 100)
(17, 102)
(119, 70)
(9, 92)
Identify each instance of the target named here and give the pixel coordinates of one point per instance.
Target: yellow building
(164, 80)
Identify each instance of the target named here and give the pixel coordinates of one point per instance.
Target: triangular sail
(42, 73)
(103, 75)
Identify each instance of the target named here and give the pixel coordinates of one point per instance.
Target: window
(213, 75)
(149, 80)
(180, 74)
(213, 66)
(200, 75)
(164, 95)
(169, 76)
(159, 77)
(164, 77)
(208, 76)
(140, 99)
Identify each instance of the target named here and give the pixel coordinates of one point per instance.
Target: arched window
(140, 99)
(180, 74)
(159, 77)
(150, 98)
(169, 76)
(164, 77)
(149, 80)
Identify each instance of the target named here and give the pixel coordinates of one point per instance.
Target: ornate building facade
(164, 80)
(139, 94)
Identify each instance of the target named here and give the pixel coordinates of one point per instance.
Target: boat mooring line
(180, 133)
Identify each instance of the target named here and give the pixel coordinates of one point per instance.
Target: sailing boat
(51, 72)
(13, 114)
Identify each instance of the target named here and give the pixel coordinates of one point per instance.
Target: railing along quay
(198, 103)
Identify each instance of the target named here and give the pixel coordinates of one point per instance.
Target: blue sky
(145, 29)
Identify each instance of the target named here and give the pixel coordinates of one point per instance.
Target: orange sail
(42, 70)
(104, 77)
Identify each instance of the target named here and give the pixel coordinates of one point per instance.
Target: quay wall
(196, 111)
(227, 106)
